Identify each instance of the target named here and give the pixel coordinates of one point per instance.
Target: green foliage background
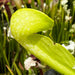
(12, 55)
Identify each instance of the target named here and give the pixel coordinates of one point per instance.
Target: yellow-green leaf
(25, 23)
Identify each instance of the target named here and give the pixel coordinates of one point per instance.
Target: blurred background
(13, 55)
